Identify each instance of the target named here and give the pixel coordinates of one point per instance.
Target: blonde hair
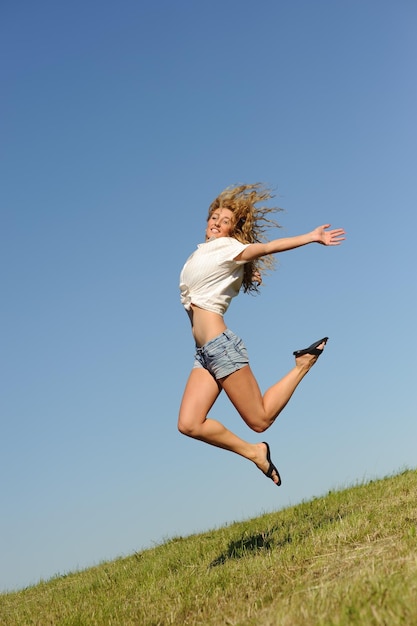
(250, 222)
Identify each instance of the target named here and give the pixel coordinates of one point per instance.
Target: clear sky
(120, 123)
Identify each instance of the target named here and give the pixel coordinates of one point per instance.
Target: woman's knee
(187, 428)
(259, 428)
(259, 425)
(182, 427)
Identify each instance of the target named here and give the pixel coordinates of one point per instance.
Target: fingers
(257, 278)
(336, 238)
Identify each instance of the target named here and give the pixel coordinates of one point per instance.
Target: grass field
(347, 558)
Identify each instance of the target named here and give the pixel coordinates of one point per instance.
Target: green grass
(346, 559)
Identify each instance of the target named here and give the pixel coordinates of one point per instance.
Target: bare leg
(199, 396)
(242, 388)
(259, 412)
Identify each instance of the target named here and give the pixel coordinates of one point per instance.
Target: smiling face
(219, 224)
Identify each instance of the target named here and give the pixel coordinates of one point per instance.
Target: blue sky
(120, 122)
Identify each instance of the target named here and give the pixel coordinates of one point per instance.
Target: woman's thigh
(243, 391)
(201, 392)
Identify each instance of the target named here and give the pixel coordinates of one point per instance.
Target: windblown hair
(249, 224)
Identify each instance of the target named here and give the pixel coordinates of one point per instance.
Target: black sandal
(271, 467)
(313, 349)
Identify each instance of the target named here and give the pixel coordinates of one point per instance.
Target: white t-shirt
(211, 277)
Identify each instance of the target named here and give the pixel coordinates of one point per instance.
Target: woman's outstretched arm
(321, 235)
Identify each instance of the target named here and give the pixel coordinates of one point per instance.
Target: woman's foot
(263, 462)
(307, 357)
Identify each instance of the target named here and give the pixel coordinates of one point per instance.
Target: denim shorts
(222, 355)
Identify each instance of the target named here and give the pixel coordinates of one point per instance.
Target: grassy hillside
(348, 558)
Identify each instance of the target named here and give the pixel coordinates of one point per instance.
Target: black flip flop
(313, 349)
(271, 467)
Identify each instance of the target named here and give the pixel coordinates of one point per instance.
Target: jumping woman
(232, 258)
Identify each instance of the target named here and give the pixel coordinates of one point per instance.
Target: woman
(234, 255)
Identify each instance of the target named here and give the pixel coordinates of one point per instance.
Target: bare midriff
(205, 325)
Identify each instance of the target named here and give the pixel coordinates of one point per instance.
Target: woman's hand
(328, 237)
(257, 277)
